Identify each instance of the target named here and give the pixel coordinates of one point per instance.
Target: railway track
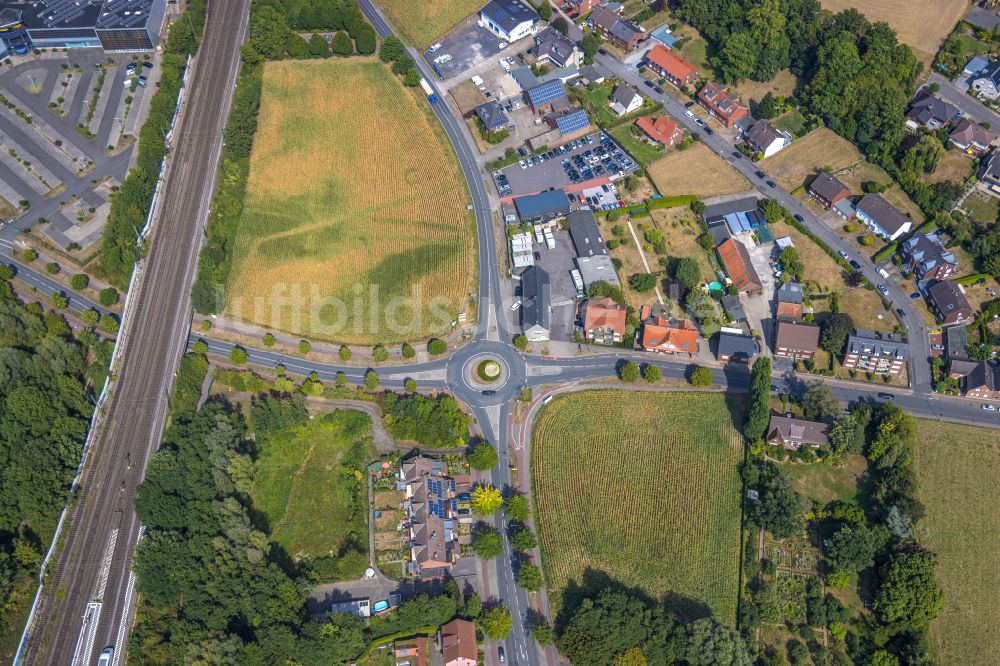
(93, 566)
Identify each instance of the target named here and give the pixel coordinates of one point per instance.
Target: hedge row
(816, 239)
(972, 279)
(671, 202)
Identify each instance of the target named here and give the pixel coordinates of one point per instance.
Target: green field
(307, 488)
(643, 487)
(354, 227)
(644, 152)
(957, 469)
(423, 22)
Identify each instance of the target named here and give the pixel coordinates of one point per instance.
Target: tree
(589, 45)
(560, 24)
(773, 211)
(766, 107)
(778, 508)
(437, 347)
(687, 272)
(238, 355)
(908, 596)
(542, 632)
(495, 622)
(847, 435)
(342, 44)
(522, 539)
(304, 347)
(853, 547)
(408, 351)
(545, 10)
(318, 45)
(760, 395)
(90, 317)
(108, 297)
(485, 499)
(380, 353)
(108, 324)
(412, 78)
(516, 508)
(366, 40)
(482, 456)
(392, 49)
(818, 402)
(268, 340)
(520, 342)
(199, 347)
(642, 281)
(711, 643)
(798, 653)
(486, 542)
(633, 656)
(297, 46)
(79, 281)
(344, 353)
(700, 376)
(410, 385)
(371, 380)
(529, 577)
(836, 328)
(791, 264)
(628, 372)
(652, 373)
(29, 255)
(59, 300)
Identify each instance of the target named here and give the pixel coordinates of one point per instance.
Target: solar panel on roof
(546, 92)
(572, 122)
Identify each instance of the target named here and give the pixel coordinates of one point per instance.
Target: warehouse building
(113, 25)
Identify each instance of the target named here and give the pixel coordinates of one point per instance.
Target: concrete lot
(759, 307)
(557, 263)
(468, 45)
(550, 173)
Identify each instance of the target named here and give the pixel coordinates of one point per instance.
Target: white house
(509, 20)
(625, 100)
(882, 217)
(987, 82)
(765, 139)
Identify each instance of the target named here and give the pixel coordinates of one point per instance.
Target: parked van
(881, 271)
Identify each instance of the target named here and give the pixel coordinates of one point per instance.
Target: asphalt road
(100, 537)
(970, 106)
(919, 369)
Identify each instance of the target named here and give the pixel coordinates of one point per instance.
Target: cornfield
(355, 215)
(643, 487)
(423, 22)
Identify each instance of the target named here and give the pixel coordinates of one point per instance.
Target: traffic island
(488, 371)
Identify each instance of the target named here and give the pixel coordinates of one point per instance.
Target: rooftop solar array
(572, 122)
(56, 13)
(124, 13)
(546, 92)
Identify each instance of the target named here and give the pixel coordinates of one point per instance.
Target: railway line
(87, 601)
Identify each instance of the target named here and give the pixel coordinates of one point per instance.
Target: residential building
(585, 233)
(765, 139)
(582, 7)
(736, 261)
(625, 100)
(604, 321)
(411, 651)
(542, 206)
(972, 139)
(610, 25)
(556, 48)
(60, 24)
(845, 209)
(882, 217)
(989, 174)
(956, 340)
(509, 20)
(492, 117)
(828, 190)
(877, 353)
(932, 113)
(788, 302)
(431, 515)
(947, 300)
(977, 379)
(975, 66)
(671, 337)
(671, 66)
(593, 74)
(458, 643)
(796, 340)
(545, 97)
(927, 258)
(661, 130)
(987, 82)
(360, 607)
(720, 104)
(793, 433)
(597, 268)
(734, 308)
(735, 346)
(535, 304)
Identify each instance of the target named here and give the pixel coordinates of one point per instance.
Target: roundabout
(486, 373)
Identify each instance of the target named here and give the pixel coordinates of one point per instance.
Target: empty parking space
(462, 49)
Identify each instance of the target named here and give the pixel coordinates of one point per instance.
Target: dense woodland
(48, 380)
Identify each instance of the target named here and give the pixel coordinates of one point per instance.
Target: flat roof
(552, 202)
(74, 14)
(597, 268)
(585, 233)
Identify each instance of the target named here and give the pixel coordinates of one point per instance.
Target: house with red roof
(671, 66)
(604, 321)
(720, 104)
(671, 337)
(661, 130)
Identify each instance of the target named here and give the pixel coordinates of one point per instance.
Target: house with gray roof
(556, 48)
(765, 139)
(607, 20)
(793, 433)
(932, 113)
(977, 379)
(625, 100)
(877, 353)
(882, 217)
(927, 257)
(492, 116)
(736, 346)
(510, 20)
(536, 304)
(987, 82)
(972, 139)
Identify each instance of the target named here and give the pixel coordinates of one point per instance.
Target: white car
(434, 47)
(515, 305)
(105, 658)
(989, 408)
(699, 122)
(502, 45)
(881, 271)
(689, 113)
(843, 255)
(883, 290)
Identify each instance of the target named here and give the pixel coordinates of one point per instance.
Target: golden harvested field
(422, 22)
(697, 171)
(820, 149)
(923, 24)
(643, 487)
(957, 470)
(354, 226)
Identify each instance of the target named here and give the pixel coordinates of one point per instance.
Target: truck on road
(426, 87)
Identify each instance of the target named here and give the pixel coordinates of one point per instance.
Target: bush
(482, 456)
(652, 373)
(108, 324)
(344, 353)
(629, 372)
(79, 281)
(520, 342)
(304, 347)
(867, 240)
(408, 351)
(52, 268)
(380, 353)
(701, 376)
(29, 255)
(238, 355)
(437, 347)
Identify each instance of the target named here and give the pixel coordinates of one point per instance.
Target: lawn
(422, 23)
(826, 483)
(352, 207)
(953, 167)
(957, 470)
(819, 150)
(860, 172)
(923, 24)
(792, 122)
(694, 49)
(681, 232)
(644, 152)
(643, 487)
(307, 488)
(981, 208)
(782, 85)
(697, 171)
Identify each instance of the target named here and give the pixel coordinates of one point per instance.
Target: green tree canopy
(485, 499)
(495, 622)
(818, 402)
(628, 372)
(342, 44)
(529, 577)
(701, 376)
(482, 456)
(486, 542)
(835, 330)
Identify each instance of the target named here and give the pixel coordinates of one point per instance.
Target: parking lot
(463, 48)
(570, 166)
(558, 263)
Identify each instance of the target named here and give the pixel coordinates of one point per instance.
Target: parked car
(774, 388)
(142, 81)
(500, 653)
(689, 105)
(798, 217)
(937, 347)
(855, 265)
(689, 113)
(770, 183)
(759, 174)
(843, 255)
(147, 64)
(882, 289)
(901, 312)
(515, 306)
(699, 122)
(915, 295)
(989, 408)
(737, 154)
(648, 84)
(886, 396)
(881, 271)
(709, 131)
(602, 52)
